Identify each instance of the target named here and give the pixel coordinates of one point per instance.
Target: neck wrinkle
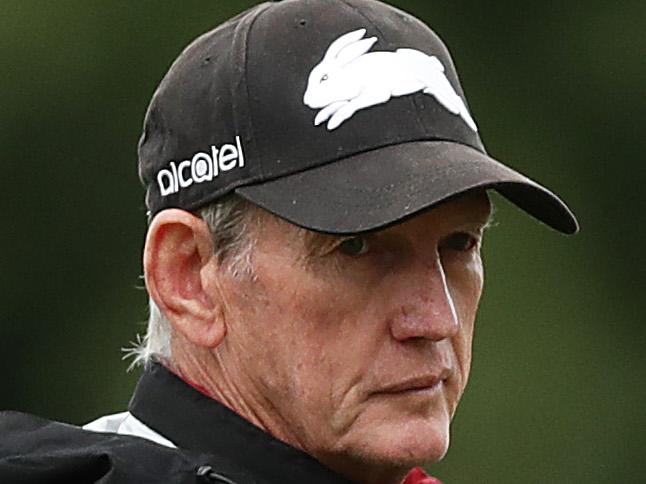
(206, 371)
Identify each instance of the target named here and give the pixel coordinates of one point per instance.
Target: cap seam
(240, 107)
(258, 180)
(415, 184)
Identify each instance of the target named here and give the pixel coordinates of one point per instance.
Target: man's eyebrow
(316, 243)
(479, 221)
(492, 220)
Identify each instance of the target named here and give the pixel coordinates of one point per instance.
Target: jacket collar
(195, 422)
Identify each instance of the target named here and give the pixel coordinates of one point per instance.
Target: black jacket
(215, 445)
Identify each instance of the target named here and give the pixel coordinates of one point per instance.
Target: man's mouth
(416, 385)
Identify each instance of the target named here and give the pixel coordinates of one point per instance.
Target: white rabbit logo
(350, 78)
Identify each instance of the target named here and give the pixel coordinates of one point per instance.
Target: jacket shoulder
(37, 450)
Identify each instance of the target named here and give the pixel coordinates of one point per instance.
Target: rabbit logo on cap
(350, 78)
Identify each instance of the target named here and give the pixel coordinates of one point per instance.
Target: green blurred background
(558, 88)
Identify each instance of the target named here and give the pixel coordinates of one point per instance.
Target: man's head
(317, 215)
(353, 348)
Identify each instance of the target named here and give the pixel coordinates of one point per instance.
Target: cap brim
(377, 188)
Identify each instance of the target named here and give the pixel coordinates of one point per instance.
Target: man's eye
(461, 242)
(354, 246)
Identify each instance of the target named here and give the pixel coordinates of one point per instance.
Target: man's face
(358, 349)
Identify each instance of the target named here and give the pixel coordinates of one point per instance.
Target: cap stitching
(240, 107)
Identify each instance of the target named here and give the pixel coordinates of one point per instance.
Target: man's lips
(415, 384)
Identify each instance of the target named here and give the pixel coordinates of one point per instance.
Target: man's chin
(413, 435)
(414, 447)
(405, 444)
(387, 452)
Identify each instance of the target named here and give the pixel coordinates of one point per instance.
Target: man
(318, 193)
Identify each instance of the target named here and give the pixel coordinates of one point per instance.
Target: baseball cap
(340, 116)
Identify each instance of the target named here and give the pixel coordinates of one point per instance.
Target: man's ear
(178, 253)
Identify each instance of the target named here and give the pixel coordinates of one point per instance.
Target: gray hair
(228, 221)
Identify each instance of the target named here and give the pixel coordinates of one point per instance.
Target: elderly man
(318, 193)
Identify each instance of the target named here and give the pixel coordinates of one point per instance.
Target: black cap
(340, 116)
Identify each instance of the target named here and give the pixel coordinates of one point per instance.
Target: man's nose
(428, 311)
